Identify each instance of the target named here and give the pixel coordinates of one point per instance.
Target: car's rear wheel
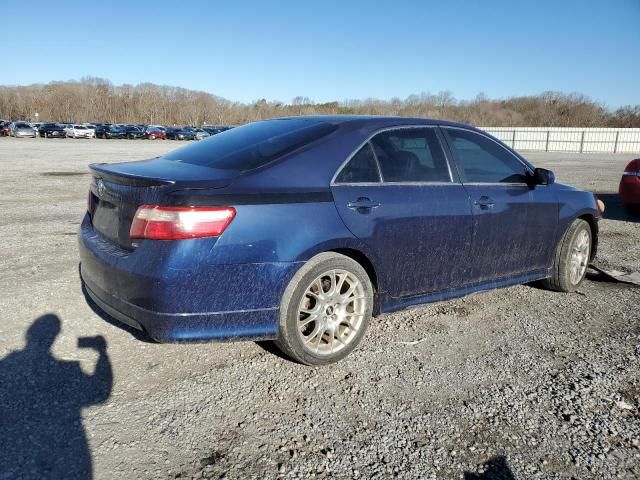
(325, 310)
(571, 258)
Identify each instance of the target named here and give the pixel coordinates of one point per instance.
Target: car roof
(380, 121)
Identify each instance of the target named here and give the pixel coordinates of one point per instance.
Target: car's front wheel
(325, 310)
(571, 258)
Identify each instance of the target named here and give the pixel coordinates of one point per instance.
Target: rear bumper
(260, 324)
(173, 294)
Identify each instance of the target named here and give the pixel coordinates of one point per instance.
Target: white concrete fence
(579, 140)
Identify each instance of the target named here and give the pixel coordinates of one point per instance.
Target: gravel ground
(515, 383)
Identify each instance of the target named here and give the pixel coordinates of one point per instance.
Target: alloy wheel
(579, 257)
(331, 312)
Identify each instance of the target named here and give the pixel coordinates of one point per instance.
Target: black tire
(632, 209)
(560, 279)
(290, 339)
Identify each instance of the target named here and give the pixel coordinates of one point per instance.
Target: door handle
(484, 202)
(362, 203)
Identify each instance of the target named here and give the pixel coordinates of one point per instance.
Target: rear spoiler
(103, 170)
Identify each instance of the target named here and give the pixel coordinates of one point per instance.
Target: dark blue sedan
(302, 229)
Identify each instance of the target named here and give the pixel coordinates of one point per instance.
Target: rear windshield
(253, 145)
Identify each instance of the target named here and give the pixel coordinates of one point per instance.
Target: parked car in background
(79, 131)
(48, 130)
(214, 130)
(301, 229)
(21, 130)
(4, 128)
(198, 133)
(133, 132)
(179, 134)
(160, 127)
(629, 188)
(100, 128)
(109, 131)
(153, 133)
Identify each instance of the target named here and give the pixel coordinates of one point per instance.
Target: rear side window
(253, 145)
(411, 155)
(482, 160)
(361, 168)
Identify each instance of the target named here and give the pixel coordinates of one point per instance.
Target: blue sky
(332, 50)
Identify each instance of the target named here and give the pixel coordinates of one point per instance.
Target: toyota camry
(302, 229)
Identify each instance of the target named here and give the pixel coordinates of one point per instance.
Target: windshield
(253, 145)
(22, 125)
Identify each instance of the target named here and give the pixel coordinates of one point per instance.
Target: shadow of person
(41, 402)
(497, 468)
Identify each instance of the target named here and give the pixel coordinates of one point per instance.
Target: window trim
(382, 180)
(488, 137)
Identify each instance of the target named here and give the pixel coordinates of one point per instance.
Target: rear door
(398, 195)
(514, 223)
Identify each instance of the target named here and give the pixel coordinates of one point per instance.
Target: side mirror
(542, 176)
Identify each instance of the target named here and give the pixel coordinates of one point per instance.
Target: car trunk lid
(117, 190)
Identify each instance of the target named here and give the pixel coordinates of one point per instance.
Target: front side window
(411, 155)
(482, 160)
(361, 168)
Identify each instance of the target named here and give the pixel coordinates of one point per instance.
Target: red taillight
(175, 223)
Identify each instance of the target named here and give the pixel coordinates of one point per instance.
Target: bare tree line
(98, 100)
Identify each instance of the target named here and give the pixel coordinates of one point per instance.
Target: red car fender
(629, 189)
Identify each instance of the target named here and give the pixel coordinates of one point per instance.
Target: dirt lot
(516, 383)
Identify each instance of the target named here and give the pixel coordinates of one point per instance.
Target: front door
(513, 222)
